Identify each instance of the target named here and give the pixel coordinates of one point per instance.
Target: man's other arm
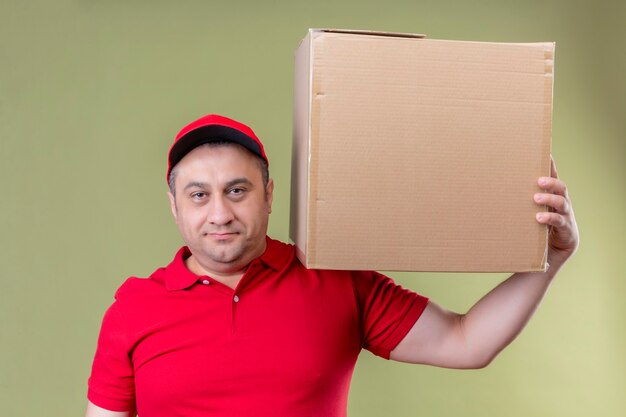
(472, 340)
(95, 411)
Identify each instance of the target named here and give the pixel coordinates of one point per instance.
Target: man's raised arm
(472, 340)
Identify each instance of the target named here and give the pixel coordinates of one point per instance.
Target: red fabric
(173, 346)
(216, 119)
(243, 135)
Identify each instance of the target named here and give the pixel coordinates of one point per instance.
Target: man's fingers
(551, 219)
(559, 203)
(559, 217)
(553, 185)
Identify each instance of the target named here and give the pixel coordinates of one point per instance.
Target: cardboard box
(414, 154)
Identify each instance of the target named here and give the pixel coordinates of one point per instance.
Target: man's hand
(472, 340)
(563, 240)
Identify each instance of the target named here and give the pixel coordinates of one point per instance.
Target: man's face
(221, 206)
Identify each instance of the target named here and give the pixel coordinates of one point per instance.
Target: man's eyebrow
(197, 184)
(236, 181)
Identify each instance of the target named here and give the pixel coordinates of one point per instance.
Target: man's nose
(220, 211)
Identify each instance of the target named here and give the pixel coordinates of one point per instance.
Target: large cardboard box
(415, 154)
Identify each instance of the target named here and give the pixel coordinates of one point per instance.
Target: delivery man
(235, 325)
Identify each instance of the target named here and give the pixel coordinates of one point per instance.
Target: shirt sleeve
(387, 311)
(112, 382)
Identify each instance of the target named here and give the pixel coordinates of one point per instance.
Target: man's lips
(221, 235)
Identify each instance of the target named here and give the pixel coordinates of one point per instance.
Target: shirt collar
(277, 254)
(178, 277)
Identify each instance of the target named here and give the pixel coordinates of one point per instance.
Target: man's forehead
(213, 149)
(217, 165)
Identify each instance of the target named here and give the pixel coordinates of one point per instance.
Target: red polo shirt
(283, 343)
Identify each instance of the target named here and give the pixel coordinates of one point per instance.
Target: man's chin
(226, 255)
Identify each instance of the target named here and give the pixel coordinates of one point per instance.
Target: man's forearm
(497, 318)
(472, 340)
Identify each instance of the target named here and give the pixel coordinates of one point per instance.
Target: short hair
(265, 174)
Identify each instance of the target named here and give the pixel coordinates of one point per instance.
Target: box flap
(371, 32)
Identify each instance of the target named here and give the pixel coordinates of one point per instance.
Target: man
(236, 326)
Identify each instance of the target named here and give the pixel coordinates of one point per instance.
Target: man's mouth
(221, 235)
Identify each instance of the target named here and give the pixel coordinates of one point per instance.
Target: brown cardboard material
(414, 154)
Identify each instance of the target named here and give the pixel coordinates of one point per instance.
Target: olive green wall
(92, 93)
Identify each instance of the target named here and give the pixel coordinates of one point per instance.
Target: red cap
(212, 128)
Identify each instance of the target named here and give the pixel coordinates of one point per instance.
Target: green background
(92, 93)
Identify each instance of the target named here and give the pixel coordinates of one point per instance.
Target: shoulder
(136, 286)
(286, 255)
(157, 282)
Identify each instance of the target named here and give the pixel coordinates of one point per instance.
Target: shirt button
(236, 299)
(206, 282)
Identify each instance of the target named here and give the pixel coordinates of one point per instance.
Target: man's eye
(236, 191)
(198, 195)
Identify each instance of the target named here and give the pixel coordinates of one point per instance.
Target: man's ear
(173, 205)
(269, 194)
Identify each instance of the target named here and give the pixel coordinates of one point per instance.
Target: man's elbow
(481, 360)
(480, 364)
(474, 353)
